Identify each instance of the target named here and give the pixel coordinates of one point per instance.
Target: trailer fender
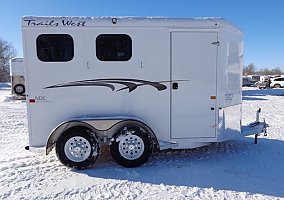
(56, 132)
(108, 126)
(104, 129)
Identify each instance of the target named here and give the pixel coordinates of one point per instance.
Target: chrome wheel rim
(131, 147)
(77, 149)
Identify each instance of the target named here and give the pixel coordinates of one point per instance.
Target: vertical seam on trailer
(170, 134)
(216, 90)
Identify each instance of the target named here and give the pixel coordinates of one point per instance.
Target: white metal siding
(194, 64)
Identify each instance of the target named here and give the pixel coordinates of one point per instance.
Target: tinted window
(113, 47)
(55, 47)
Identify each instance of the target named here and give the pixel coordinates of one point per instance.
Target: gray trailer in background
(17, 76)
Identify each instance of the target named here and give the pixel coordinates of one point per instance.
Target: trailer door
(193, 93)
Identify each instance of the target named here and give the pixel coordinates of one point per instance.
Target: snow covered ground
(231, 170)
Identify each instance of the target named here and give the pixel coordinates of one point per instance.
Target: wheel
(131, 146)
(77, 148)
(19, 89)
(277, 86)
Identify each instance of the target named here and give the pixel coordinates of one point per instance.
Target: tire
(277, 86)
(77, 148)
(131, 146)
(19, 89)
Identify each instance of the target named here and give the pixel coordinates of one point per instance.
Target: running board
(167, 144)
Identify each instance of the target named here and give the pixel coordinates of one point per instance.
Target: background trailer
(17, 76)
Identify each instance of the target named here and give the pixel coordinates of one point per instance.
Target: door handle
(175, 86)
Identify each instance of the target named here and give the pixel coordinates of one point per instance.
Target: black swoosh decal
(130, 84)
(74, 84)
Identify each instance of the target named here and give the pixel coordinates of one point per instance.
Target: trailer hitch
(257, 122)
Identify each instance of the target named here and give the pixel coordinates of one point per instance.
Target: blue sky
(262, 21)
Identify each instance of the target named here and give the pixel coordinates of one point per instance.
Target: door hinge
(216, 43)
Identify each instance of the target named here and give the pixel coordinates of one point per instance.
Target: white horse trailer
(135, 84)
(17, 76)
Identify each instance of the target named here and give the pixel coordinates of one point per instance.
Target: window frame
(39, 47)
(128, 47)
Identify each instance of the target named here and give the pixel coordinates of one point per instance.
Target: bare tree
(7, 51)
(249, 70)
(276, 71)
(266, 71)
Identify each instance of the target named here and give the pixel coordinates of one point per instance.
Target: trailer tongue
(255, 128)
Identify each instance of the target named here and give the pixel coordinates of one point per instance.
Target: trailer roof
(60, 21)
(17, 59)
